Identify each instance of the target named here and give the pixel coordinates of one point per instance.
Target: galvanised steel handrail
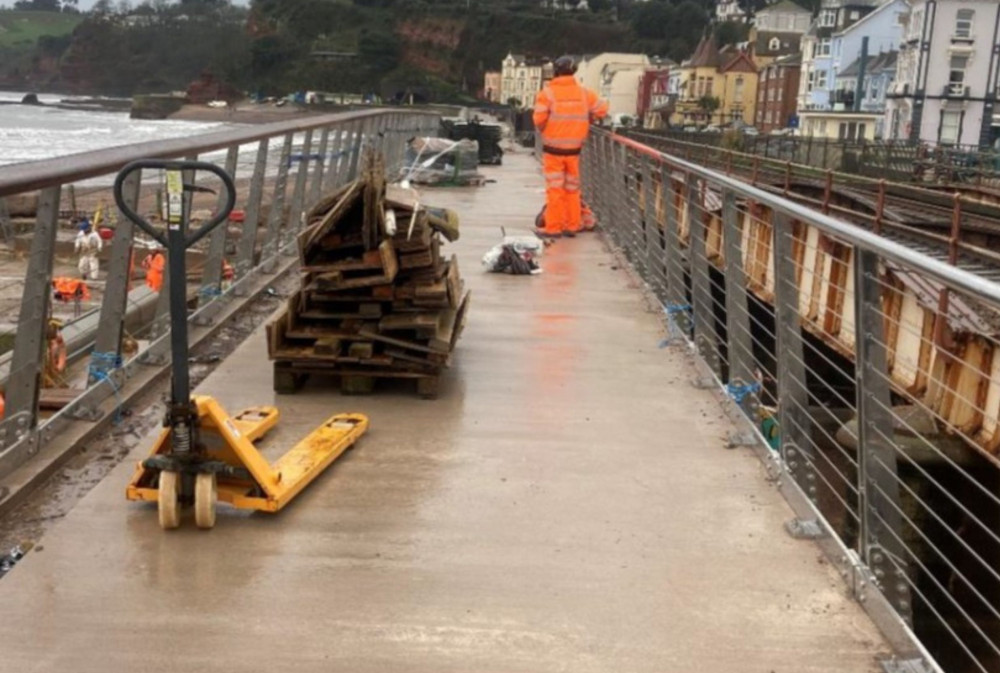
(864, 373)
(952, 276)
(315, 156)
(34, 175)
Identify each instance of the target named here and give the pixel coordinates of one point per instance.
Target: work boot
(542, 233)
(569, 234)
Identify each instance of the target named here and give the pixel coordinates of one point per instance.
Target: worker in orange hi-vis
(154, 264)
(563, 113)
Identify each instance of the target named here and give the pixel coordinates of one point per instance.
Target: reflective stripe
(569, 143)
(583, 117)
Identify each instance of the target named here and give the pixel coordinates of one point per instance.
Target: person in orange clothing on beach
(563, 113)
(153, 264)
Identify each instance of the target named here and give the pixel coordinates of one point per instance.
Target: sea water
(32, 132)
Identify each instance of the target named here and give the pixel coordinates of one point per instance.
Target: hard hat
(564, 65)
(84, 224)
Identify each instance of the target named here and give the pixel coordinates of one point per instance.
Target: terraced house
(945, 89)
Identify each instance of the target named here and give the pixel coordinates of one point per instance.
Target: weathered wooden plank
(409, 321)
(334, 281)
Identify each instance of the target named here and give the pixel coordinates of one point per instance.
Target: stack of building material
(486, 134)
(442, 162)
(378, 299)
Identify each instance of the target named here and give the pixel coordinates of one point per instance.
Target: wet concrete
(567, 505)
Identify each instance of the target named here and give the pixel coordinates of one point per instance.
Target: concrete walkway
(567, 505)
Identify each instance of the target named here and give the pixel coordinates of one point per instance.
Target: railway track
(960, 226)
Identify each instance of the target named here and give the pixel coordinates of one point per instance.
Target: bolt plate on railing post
(805, 529)
(896, 665)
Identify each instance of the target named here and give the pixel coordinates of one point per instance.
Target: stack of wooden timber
(377, 299)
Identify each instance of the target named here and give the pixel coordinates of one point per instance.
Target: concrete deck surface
(567, 505)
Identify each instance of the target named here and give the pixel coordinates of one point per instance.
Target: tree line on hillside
(47, 5)
(436, 48)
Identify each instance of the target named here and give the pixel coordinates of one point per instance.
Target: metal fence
(865, 374)
(899, 161)
(281, 170)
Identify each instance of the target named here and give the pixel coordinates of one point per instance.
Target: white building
(729, 10)
(568, 5)
(521, 78)
(819, 73)
(783, 17)
(592, 69)
(620, 87)
(945, 88)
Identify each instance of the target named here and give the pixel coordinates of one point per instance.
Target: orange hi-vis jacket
(563, 112)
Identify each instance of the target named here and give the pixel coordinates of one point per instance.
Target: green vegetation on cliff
(23, 29)
(434, 49)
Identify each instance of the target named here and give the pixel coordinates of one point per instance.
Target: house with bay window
(945, 88)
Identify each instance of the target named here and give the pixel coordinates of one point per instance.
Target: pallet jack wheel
(205, 495)
(168, 505)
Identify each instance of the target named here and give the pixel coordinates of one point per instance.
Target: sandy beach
(245, 113)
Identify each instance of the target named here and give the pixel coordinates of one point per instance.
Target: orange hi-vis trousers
(562, 193)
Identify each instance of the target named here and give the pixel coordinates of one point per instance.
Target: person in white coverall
(88, 245)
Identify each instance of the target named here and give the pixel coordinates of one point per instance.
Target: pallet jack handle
(182, 414)
(175, 167)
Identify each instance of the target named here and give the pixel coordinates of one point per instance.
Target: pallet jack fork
(204, 455)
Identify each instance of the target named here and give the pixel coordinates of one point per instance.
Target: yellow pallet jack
(204, 455)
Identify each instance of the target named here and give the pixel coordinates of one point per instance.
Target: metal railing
(281, 171)
(896, 160)
(865, 374)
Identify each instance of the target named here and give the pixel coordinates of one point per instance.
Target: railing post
(676, 290)
(648, 222)
(793, 395)
(337, 153)
(108, 342)
(294, 223)
(276, 216)
(613, 188)
(623, 206)
(316, 188)
(248, 239)
(28, 359)
(6, 228)
(359, 131)
(880, 535)
(739, 345)
(603, 206)
(700, 269)
(634, 233)
(389, 142)
(211, 277)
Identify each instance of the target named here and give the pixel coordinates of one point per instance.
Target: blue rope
(101, 366)
(210, 291)
(674, 309)
(739, 391)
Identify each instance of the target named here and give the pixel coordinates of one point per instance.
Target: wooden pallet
(291, 376)
(375, 302)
